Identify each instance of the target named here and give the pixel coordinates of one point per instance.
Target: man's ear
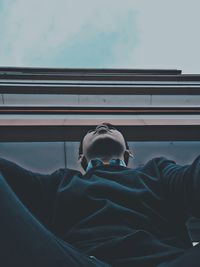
(127, 154)
(83, 161)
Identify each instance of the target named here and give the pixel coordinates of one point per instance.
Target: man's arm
(181, 185)
(36, 191)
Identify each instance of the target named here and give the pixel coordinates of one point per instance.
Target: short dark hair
(109, 125)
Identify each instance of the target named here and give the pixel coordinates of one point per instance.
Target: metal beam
(85, 71)
(86, 74)
(93, 110)
(103, 89)
(41, 133)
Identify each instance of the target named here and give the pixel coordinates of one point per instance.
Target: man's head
(103, 141)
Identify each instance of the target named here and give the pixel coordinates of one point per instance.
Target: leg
(24, 241)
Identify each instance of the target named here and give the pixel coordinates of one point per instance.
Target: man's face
(103, 141)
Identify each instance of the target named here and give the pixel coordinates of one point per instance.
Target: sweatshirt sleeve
(36, 191)
(181, 185)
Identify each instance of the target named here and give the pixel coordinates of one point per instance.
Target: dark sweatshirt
(125, 217)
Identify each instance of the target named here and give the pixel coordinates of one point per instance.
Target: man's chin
(105, 146)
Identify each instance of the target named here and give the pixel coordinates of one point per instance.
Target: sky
(156, 34)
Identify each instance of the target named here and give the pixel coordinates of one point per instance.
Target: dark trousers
(25, 242)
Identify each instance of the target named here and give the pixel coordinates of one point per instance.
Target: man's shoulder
(67, 172)
(159, 160)
(154, 165)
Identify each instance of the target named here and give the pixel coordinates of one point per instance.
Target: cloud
(42, 32)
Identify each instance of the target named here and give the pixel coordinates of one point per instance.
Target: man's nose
(101, 126)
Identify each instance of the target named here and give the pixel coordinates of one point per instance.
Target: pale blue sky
(100, 34)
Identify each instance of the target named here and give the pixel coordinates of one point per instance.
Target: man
(110, 216)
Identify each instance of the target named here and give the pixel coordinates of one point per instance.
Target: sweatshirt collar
(98, 162)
